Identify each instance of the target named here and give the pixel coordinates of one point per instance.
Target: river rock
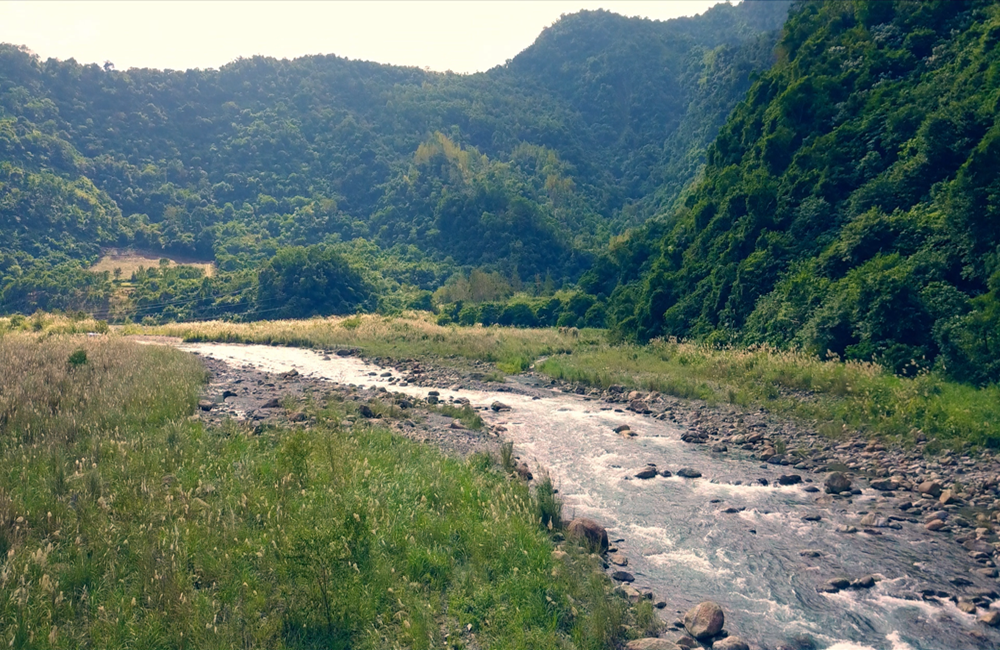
(947, 497)
(720, 448)
(864, 582)
(647, 472)
(789, 479)
(365, 411)
(931, 488)
(523, 471)
(836, 483)
(687, 472)
(991, 618)
(730, 643)
(651, 644)
(622, 428)
(499, 406)
(623, 576)
(704, 620)
(206, 405)
(618, 559)
(935, 524)
(272, 403)
(590, 531)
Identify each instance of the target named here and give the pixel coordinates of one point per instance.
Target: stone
(935, 524)
(622, 428)
(623, 576)
(590, 531)
(966, 606)
(836, 483)
(730, 643)
(789, 479)
(704, 620)
(932, 488)
(720, 448)
(991, 618)
(947, 497)
(206, 405)
(882, 485)
(272, 403)
(647, 472)
(499, 406)
(864, 582)
(687, 472)
(651, 644)
(365, 411)
(523, 471)
(839, 583)
(810, 552)
(618, 559)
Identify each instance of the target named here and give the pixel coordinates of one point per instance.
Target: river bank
(881, 500)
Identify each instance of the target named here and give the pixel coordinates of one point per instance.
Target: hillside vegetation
(849, 205)
(526, 169)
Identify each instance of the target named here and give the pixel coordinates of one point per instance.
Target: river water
(682, 546)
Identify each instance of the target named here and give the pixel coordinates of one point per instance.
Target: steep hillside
(849, 204)
(526, 169)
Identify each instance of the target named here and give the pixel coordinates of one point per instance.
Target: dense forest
(850, 203)
(411, 177)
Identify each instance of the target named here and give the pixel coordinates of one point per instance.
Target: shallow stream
(681, 545)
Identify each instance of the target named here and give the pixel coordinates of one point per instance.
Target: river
(680, 543)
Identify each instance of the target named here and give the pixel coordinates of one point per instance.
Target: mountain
(527, 169)
(850, 205)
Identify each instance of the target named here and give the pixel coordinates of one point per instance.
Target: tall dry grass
(411, 335)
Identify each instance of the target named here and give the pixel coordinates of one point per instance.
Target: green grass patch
(125, 524)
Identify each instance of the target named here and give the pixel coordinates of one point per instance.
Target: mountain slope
(850, 202)
(232, 164)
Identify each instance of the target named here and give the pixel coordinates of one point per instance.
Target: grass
(835, 395)
(123, 523)
(415, 335)
(128, 262)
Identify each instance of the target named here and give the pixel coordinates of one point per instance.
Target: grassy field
(838, 396)
(125, 524)
(412, 336)
(128, 262)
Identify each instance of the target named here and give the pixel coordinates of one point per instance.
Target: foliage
(848, 205)
(411, 175)
(125, 524)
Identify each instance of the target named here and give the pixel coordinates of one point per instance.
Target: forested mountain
(851, 203)
(527, 169)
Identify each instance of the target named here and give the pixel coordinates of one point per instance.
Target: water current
(680, 543)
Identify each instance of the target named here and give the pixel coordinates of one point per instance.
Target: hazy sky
(460, 36)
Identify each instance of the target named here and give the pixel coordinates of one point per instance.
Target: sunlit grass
(834, 394)
(125, 524)
(413, 335)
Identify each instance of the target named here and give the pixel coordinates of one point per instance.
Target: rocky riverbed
(848, 487)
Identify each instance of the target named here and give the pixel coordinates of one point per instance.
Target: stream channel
(682, 546)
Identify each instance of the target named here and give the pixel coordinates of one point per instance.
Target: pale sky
(459, 36)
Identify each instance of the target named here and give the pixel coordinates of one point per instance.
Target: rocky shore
(951, 495)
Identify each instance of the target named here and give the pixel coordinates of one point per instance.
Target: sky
(464, 37)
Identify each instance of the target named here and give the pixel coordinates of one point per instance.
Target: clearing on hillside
(129, 262)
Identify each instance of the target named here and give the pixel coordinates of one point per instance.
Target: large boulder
(704, 620)
(651, 644)
(590, 531)
(836, 483)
